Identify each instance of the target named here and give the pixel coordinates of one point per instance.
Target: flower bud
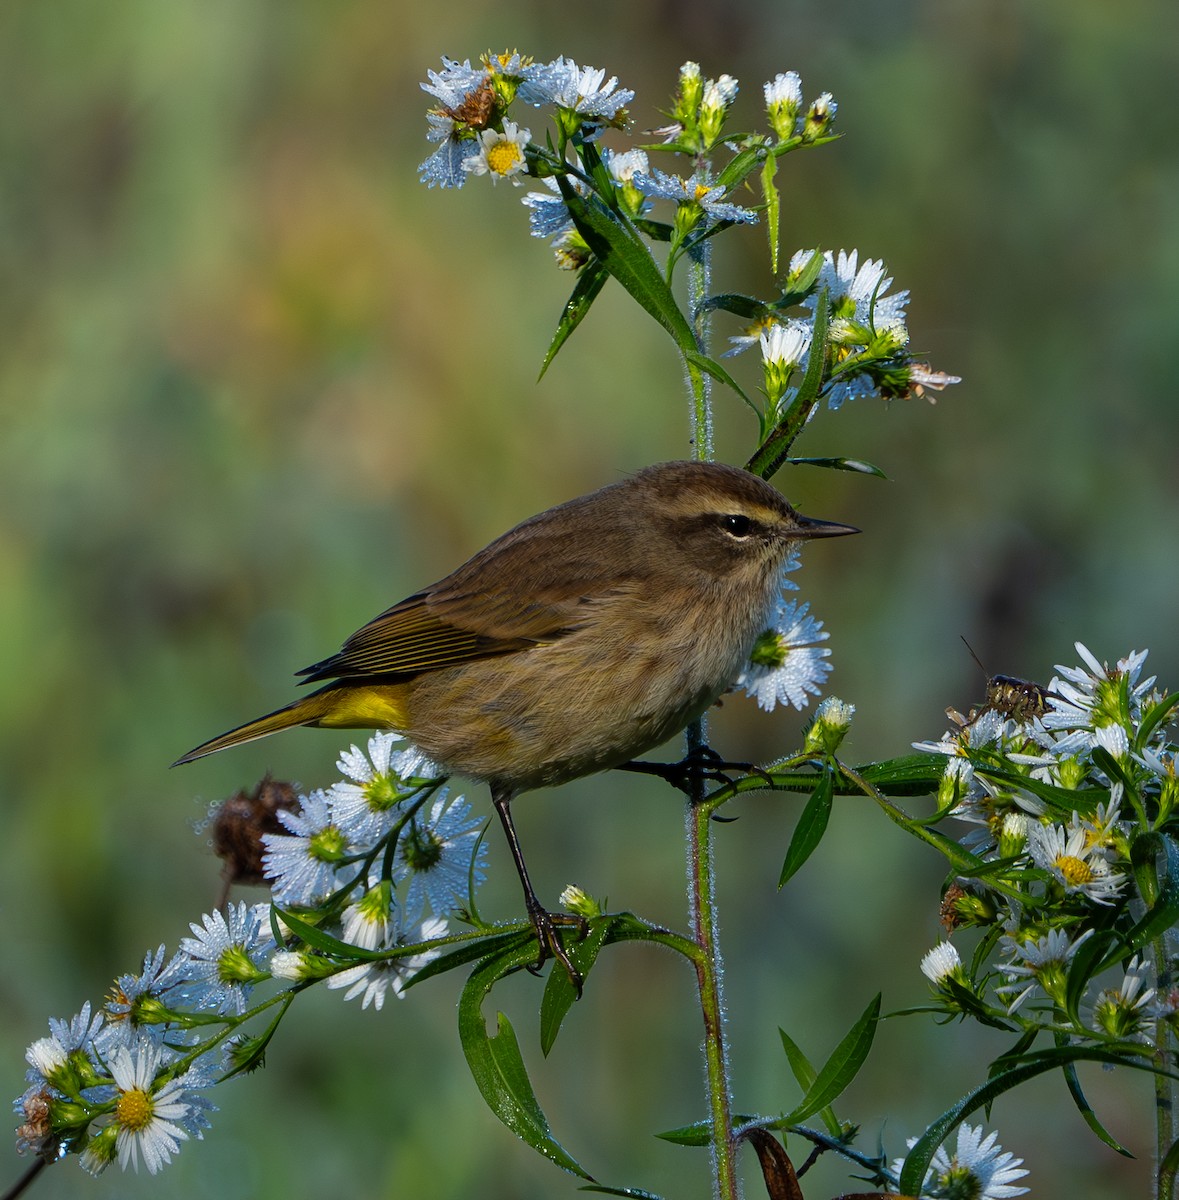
(819, 117)
(783, 100)
(833, 719)
(580, 902)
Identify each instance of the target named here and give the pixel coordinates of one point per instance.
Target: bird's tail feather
(307, 711)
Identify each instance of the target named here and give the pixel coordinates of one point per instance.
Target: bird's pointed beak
(813, 527)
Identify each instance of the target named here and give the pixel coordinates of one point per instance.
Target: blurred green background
(256, 383)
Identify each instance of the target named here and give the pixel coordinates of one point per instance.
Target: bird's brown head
(721, 519)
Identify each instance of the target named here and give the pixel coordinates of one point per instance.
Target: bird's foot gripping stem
(700, 763)
(548, 940)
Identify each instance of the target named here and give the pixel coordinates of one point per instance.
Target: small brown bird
(586, 635)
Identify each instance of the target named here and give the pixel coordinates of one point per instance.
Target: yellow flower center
(504, 157)
(134, 1110)
(1076, 871)
(701, 192)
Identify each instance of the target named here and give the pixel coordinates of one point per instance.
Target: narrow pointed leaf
(590, 281)
(838, 464)
(739, 305)
(841, 1068)
(621, 252)
(559, 995)
(1088, 1115)
(473, 951)
(700, 1132)
(498, 1067)
(634, 1193)
(804, 1073)
(812, 824)
(769, 189)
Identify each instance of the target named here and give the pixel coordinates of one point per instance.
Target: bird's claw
(545, 924)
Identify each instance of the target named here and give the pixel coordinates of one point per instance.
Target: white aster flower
(624, 165)
(979, 1169)
(153, 1119)
(550, 214)
(787, 663)
(219, 966)
(1128, 1011)
(583, 90)
(443, 854)
(455, 82)
(865, 288)
(500, 155)
(371, 980)
(371, 920)
(1043, 963)
(366, 804)
(1092, 698)
(1075, 861)
(302, 865)
(48, 1057)
(698, 190)
(452, 86)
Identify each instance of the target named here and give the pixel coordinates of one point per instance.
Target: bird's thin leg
(543, 922)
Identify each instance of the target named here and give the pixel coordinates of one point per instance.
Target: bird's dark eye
(737, 524)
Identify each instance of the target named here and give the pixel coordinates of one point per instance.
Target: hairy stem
(1164, 1086)
(702, 911)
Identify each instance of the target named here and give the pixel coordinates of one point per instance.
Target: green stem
(702, 911)
(699, 383)
(1165, 1091)
(701, 890)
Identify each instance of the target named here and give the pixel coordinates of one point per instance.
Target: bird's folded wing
(533, 585)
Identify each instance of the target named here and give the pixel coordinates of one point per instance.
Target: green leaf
(497, 1065)
(1154, 716)
(473, 951)
(769, 189)
(837, 464)
(590, 281)
(621, 252)
(700, 1132)
(739, 305)
(1086, 1109)
(804, 1073)
(841, 1068)
(802, 287)
(315, 937)
(1063, 801)
(636, 1193)
(906, 775)
(559, 995)
(741, 166)
(812, 824)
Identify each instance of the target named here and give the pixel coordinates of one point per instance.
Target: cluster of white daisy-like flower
(371, 866)
(863, 347)
(1070, 790)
